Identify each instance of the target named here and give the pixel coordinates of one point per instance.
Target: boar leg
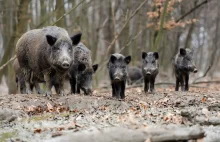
(78, 88)
(113, 90)
(73, 85)
(118, 90)
(27, 76)
(48, 84)
(152, 80)
(177, 84)
(186, 82)
(146, 84)
(123, 83)
(22, 85)
(59, 87)
(37, 88)
(181, 79)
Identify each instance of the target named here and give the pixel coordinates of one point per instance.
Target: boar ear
(51, 40)
(81, 67)
(144, 54)
(182, 51)
(156, 55)
(127, 59)
(113, 58)
(95, 67)
(76, 38)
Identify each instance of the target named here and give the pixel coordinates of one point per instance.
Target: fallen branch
(119, 134)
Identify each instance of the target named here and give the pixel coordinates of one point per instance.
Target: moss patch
(7, 135)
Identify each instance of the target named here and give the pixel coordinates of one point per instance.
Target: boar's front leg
(59, 87)
(118, 90)
(146, 84)
(78, 88)
(73, 85)
(177, 84)
(187, 82)
(113, 90)
(123, 83)
(37, 88)
(182, 83)
(48, 84)
(152, 81)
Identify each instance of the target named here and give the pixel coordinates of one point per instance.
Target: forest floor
(145, 117)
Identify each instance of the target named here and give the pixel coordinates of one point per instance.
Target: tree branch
(125, 24)
(193, 9)
(68, 12)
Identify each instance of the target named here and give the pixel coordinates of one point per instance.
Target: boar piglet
(82, 70)
(117, 67)
(183, 65)
(150, 69)
(47, 53)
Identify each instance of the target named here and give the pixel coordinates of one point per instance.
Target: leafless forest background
(126, 26)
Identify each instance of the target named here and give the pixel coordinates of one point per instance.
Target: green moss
(7, 135)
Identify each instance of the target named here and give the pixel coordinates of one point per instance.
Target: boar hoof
(62, 93)
(48, 94)
(28, 91)
(40, 92)
(152, 91)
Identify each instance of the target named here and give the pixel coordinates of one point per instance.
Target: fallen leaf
(37, 131)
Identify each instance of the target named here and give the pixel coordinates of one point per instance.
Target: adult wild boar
(183, 65)
(48, 53)
(82, 70)
(118, 66)
(150, 69)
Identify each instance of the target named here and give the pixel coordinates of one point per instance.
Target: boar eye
(70, 49)
(153, 62)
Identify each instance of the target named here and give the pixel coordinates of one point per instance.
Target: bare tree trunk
(18, 29)
(60, 13)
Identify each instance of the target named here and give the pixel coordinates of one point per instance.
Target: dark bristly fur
(183, 65)
(150, 69)
(118, 66)
(134, 75)
(82, 70)
(48, 53)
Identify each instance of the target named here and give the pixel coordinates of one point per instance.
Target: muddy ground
(37, 118)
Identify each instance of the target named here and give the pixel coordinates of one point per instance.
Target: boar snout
(195, 70)
(87, 91)
(65, 65)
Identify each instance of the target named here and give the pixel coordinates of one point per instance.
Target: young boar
(20, 82)
(150, 69)
(118, 66)
(134, 75)
(48, 53)
(82, 70)
(183, 65)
